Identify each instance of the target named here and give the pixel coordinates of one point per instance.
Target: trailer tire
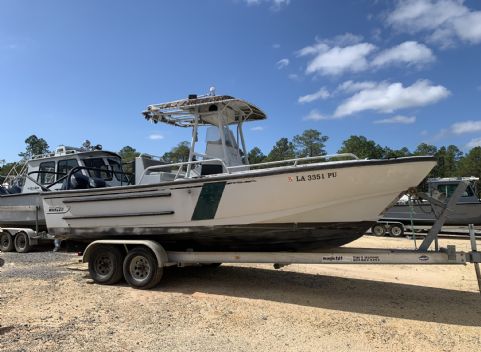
(6, 242)
(105, 265)
(378, 230)
(396, 230)
(141, 269)
(22, 242)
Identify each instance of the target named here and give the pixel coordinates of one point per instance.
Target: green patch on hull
(208, 201)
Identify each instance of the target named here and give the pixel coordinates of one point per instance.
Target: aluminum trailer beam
(349, 256)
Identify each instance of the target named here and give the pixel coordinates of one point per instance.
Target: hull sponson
(265, 237)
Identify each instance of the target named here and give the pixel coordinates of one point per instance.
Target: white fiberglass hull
(307, 206)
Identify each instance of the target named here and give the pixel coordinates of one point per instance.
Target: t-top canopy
(208, 109)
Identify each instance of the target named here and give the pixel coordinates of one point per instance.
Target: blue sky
(401, 72)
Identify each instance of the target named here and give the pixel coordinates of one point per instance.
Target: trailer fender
(156, 248)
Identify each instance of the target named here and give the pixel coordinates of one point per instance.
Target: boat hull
(267, 237)
(310, 206)
(422, 214)
(18, 210)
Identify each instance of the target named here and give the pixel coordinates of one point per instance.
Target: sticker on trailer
(423, 258)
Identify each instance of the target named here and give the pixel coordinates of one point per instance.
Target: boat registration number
(312, 177)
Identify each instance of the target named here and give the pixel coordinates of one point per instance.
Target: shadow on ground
(344, 294)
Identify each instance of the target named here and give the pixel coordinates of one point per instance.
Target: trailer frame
(141, 262)
(22, 239)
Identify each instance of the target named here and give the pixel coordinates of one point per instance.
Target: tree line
(451, 161)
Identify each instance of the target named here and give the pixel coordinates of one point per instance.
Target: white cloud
(466, 127)
(276, 46)
(282, 63)
(475, 142)
(468, 27)
(312, 49)
(257, 129)
(337, 60)
(398, 119)
(156, 136)
(293, 76)
(443, 20)
(410, 52)
(345, 39)
(342, 40)
(320, 94)
(276, 5)
(352, 87)
(388, 97)
(329, 57)
(315, 115)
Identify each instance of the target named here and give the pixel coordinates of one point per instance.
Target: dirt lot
(46, 304)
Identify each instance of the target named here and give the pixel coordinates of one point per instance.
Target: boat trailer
(141, 262)
(22, 239)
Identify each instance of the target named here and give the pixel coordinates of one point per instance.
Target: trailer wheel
(396, 230)
(22, 242)
(378, 230)
(105, 265)
(6, 242)
(141, 269)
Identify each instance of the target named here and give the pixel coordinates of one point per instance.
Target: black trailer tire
(105, 265)
(6, 242)
(396, 230)
(141, 269)
(378, 230)
(22, 242)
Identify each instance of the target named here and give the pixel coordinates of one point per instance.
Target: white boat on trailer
(217, 208)
(22, 219)
(217, 201)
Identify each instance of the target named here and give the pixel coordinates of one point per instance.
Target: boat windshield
(118, 171)
(64, 166)
(448, 190)
(101, 169)
(213, 136)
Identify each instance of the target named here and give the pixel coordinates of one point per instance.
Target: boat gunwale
(238, 175)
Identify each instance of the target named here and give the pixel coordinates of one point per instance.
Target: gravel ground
(47, 304)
